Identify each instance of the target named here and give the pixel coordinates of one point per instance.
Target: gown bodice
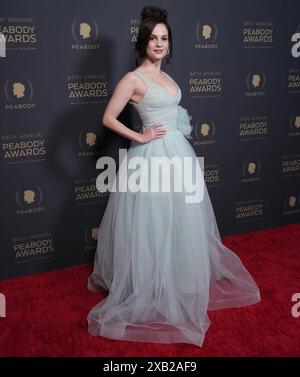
(158, 105)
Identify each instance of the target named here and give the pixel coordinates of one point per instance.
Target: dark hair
(150, 16)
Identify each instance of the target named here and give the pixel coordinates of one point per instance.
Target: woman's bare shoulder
(133, 81)
(130, 75)
(129, 79)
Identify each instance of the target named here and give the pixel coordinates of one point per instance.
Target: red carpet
(46, 313)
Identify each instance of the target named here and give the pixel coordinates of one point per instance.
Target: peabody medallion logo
(291, 204)
(18, 94)
(294, 125)
(204, 132)
(255, 82)
(90, 236)
(85, 33)
(206, 34)
(91, 144)
(251, 171)
(29, 199)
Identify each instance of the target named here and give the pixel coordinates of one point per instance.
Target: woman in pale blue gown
(160, 258)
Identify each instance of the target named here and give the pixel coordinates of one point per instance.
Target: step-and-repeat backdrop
(238, 66)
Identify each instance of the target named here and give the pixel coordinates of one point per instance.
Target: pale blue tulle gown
(161, 258)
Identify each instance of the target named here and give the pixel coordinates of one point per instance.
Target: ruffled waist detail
(183, 122)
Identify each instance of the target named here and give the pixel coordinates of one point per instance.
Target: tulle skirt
(162, 262)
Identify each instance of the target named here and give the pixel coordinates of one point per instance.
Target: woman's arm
(122, 93)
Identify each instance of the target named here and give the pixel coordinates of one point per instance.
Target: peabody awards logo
(33, 247)
(251, 171)
(249, 210)
(290, 165)
(255, 83)
(87, 89)
(204, 133)
(134, 31)
(18, 94)
(212, 175)
(90, 143)
(85, 192)
(253, 128)
(18, 148)
(85, 33)
(205, 84)
(19, 32)
(91, 237)
(294, 125)
(257, 34)
(291, 204)
(29, 199)
(294, 80)
(206, 35)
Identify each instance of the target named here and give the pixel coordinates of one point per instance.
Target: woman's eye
(165, 39)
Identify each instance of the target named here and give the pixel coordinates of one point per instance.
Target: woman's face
(158, 43)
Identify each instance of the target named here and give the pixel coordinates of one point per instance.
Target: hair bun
(155, 13)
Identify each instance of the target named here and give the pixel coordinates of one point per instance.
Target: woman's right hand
(154, 132)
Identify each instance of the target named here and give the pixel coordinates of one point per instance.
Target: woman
(160, 257)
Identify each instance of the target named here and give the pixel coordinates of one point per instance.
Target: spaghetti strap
(143, 77)
(140, 74)
(156, 86)
(146, 81)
